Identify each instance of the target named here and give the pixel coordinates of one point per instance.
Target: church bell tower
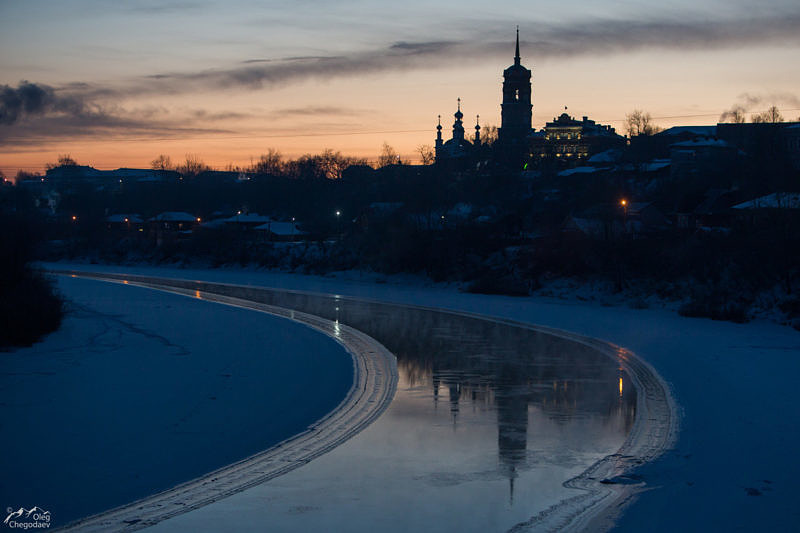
(516, 109)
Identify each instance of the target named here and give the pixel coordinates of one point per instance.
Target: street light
(624, 204)
(338, 225)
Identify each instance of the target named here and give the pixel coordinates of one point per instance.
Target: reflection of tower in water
(494, 367)
(512, 431)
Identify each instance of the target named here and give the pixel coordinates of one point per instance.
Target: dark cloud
(584, 38)
(32, 99)
(31, 112)
(99, 127)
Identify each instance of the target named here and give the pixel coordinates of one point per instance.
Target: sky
(115, 84)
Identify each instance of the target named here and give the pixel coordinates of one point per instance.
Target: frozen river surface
(488, 422)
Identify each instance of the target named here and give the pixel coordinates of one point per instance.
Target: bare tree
(332, 164)
(162, 162)
(771, 115)
(193, 166)
(426, 154)
(640, 123)
(488, 134)
(24, 175)
(63, 161)
(735, 115)
(388, 156)
(271, 163)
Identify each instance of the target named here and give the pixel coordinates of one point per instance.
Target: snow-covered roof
(708, 131)
(696, 143)
(216, 223)
(656, 164)
(281, 228)
(786, 200)
(174, 216)
(123, 218)
(579, 170)
(609, 156)
(248, 218)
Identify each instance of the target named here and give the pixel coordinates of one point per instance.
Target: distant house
(713, 212)
(607, 221)
(612, 155)
(171, 225)
(125, 222)
(648, 147)
(580, 170)
(246, 220)
(768, 139)
(648, 215)
(174, 221)
(700, 156)
(777, 200)
(74, 174)
(776, 208)
(281, 231)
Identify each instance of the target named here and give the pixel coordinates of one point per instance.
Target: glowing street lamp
(624, 204)
(338, 224)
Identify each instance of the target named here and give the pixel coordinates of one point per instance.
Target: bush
(715, 303)
(29, 308)
(499, 284)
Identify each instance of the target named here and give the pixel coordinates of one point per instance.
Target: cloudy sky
(117, 83)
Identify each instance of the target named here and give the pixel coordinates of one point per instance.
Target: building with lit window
(574, 140)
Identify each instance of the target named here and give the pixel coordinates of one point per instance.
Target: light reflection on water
(489, 420)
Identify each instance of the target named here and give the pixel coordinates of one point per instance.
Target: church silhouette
(516, 116)
(565, 140)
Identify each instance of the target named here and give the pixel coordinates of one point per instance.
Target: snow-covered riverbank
(211, 379)
(733, 467)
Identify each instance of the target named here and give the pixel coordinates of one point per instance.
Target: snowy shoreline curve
(605, 489)
(374, 385)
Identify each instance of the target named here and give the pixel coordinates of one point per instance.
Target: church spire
(458, 126)
(516, 55)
